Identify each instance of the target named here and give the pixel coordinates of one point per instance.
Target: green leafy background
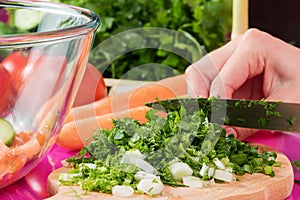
(205, 22)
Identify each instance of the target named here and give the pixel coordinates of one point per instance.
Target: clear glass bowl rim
(48, 36)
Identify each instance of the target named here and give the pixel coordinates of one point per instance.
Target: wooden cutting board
(250, 187)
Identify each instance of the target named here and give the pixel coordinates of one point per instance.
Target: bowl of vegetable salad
(44, 48)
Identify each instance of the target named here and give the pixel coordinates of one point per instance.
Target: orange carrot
(13, 163)
(167, 88)
(76, 133)
(30, 148)
(3, 149)
(10, 163)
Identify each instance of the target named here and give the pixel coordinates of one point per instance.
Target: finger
(246, 62)
(252, 89)
(200, 74)
(239, 133)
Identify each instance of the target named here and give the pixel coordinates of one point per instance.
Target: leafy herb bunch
(205, 21)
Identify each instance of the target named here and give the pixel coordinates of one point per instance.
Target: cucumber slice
(7, 132)
(27, 19)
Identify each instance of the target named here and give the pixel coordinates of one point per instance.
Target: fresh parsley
(182, 136)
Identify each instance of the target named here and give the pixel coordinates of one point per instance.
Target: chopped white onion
(211, 172)
(192, 181)
(203, 170)
(223, 175)
(228, 169)
(218, 163)
(136, 160)
(89, 165)
(67, 176)
(150, 186)
(122, 190)
(134, 153)
(142, 175)
(179, 170)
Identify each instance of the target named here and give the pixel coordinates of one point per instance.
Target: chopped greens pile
(182, 149)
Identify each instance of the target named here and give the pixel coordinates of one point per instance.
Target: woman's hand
(255, 65)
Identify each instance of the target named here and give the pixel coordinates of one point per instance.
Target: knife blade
(256, 114)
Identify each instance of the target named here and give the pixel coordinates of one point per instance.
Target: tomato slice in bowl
(15, 64)
(6, 90)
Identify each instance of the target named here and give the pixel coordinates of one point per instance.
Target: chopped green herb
(241, 104)
(291, 120)
(262, 121)
(183, 136)
(269, 171)
(296, 163)
(277, 114)
(277, 164)
(241, 120)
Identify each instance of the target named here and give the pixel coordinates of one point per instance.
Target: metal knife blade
(257, 114)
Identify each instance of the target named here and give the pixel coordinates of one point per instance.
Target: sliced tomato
(92, 87)
(22, 64)
(6, 90)
(15, 64)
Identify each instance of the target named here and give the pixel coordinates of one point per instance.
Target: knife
(257, 114)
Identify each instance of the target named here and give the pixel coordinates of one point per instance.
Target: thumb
(246, 62)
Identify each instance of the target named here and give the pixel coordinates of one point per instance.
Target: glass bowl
(44, 48)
